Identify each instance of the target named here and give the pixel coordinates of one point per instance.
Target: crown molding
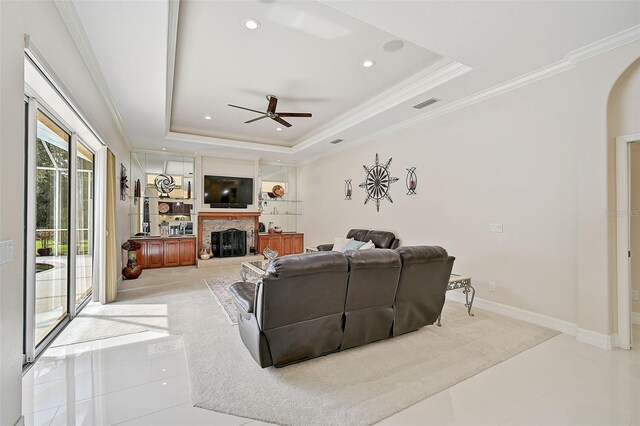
(228, 143)
(172, 45)
(606, 44)
(70, 17)
(402, 92)
(569, 62)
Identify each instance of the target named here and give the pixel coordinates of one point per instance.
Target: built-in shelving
(282, 211)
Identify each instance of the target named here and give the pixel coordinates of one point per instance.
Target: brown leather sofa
(382, 239)
(312, 304)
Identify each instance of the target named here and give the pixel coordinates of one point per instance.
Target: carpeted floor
(218, 287)
(358, 386)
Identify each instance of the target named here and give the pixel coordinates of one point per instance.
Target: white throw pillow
(367, 246)
(338, 243)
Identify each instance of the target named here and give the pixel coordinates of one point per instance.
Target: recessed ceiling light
(207, 117)
(278, 161)
(368, 63)
(251, 24)
(279, 129)
(164, 149)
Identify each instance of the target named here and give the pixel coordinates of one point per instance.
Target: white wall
(534, 160)
(41, 21)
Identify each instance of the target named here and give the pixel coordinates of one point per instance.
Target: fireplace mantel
(202, 216)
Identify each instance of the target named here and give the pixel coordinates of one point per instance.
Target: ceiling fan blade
(255, 119)
(273, 101)
(281, 121)
(247, 109)
(294, 114)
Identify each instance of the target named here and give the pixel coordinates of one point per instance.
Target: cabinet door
(154, 254)
(287, 244)
(187, 252)
(273, 241)
(298, 243)
(172, 253)
(141, 255)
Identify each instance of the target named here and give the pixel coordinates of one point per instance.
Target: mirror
(162, 194)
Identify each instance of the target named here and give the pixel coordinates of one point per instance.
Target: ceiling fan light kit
(272, 113)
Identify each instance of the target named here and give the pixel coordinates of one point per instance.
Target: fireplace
(229, 243)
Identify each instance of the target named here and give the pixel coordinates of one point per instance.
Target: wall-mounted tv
(228, 191)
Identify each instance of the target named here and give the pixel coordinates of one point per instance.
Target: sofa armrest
(243, 294)
(325, 247)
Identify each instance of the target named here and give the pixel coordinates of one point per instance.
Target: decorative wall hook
(348, 190)
(412, 181)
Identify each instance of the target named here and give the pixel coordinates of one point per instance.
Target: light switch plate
(495, 227)
(635, 294)
(6, 251)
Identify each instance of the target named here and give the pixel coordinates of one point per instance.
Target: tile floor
(141, 379)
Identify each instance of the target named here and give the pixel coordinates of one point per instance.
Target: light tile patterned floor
(142, 379)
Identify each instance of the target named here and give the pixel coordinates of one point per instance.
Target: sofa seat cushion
(243, 294)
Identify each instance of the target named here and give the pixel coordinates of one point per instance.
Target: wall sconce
(348, 190)
(412, 181)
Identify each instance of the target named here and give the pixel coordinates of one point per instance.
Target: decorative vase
(204, 254)
(132, 270)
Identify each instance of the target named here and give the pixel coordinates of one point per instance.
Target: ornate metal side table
(464, 282)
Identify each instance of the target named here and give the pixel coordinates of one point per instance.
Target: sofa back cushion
(302, 287)
(373, 281)
(382, 239)
(422, 286)
(373, 278)
(358, 234)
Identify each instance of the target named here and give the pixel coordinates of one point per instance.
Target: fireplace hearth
(229, 243)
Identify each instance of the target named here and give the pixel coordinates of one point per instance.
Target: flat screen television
(228, 191)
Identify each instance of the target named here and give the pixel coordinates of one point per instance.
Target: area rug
(219, 287)
(359, 386)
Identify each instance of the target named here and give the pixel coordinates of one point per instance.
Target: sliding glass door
(60, 227)
(84, 223)
(52, 225)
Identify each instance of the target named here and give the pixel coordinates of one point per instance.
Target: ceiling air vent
(337, 141)
(426, 103)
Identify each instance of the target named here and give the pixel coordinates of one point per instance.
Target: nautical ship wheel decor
(378, 182)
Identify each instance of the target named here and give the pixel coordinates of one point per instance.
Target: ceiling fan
(272, 114)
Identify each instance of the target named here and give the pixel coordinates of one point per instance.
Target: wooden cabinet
(154, 254)
(286, 243)
(172, 253)
(187, 252)
(161, 252)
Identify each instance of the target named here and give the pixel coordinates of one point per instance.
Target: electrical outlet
(492, 286)
(635, 294)
(495, 227)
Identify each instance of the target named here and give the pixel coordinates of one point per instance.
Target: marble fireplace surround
(209, 222)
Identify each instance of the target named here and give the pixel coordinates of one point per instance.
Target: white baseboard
(602, 341)
(562, 326)
(635, 318)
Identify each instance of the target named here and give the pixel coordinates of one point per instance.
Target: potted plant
(132, 270)
(45, 237)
